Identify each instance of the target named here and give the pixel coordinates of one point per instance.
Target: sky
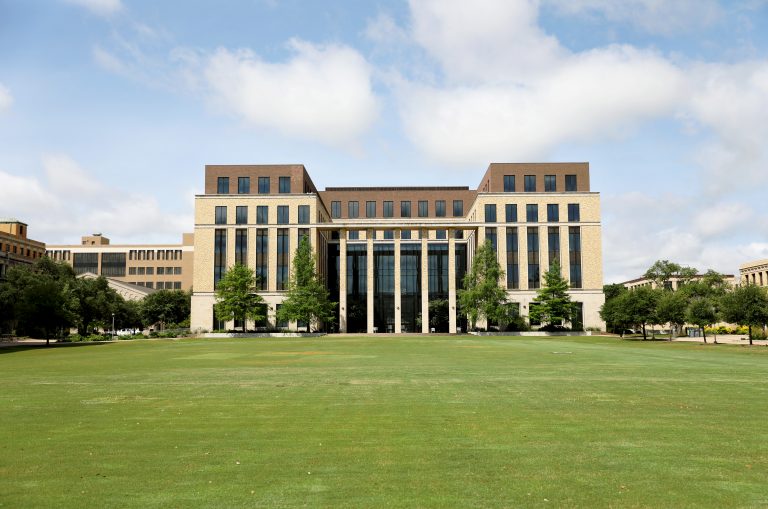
(110, 109)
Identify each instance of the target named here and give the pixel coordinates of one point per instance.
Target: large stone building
(754, 273)
(15, 247)
(157, 266)
(386, 252)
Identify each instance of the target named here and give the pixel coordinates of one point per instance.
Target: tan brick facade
(382, 221)
(15, 247)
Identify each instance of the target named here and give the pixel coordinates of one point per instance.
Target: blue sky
(109, 109)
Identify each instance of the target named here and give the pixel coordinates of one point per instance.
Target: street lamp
(113, 326)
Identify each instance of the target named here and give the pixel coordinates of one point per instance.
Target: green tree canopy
(307, 299)
(482, 297)
(746, 305)
(662, 272)
(95, 302)
(615, 312)
(166, 307)
(671, 309)
(640, 306)
(554, 305)
(236, 297)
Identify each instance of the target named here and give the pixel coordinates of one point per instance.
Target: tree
(166, 307)
(95, 302)
(482, 297)
(37, 300)
(438, 315)
(236, 297)
(746, 305)
(307, 299)
(704, 299)
(615, 312)
(662, 272)
(702, 312)
(640, 305)
(671, 309)
(554, 304)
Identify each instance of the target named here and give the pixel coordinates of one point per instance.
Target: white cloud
(99, 7)
(70, 202)
(720, 218)
(597, 93)
(483, 40)
(6, 99)
(654, 16)
(322, 93)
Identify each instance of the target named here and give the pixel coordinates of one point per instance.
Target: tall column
(370, 277)
(451, 281)
(424, 282)
(343, 281)
(398, 297)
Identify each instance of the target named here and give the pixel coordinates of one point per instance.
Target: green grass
(373, 422)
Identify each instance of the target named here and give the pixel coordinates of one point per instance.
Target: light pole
(113, 326)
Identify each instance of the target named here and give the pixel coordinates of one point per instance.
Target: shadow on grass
(20, 347)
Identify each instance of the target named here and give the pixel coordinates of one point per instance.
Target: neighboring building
(156, 266)
(15, 247)
(674, 283)
(386, 252)
(755, 273)
(127, 291)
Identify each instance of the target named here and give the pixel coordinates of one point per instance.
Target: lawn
(389, 421)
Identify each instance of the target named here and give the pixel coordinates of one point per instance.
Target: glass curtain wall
(384, 287)
(357, 287)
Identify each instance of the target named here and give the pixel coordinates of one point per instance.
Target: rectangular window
(370, 209)
(283, 214)
(284, 185)
(509, 183)
(389, 234)
(283, 258)
(534, 277)
(550, 183)
(241, 215)
(574, 255)
(441, 234)
(221, 215)
(354, 235)
(405, 209)
(440, 208)
(131, 271)
(303, 214)
(161, 271)
(304, 234)
(532, 213)
(510, 212)
(263, 185)
(513, 260)
(553, 212)
(570, 182)
(459, 234)
(491, 235)
(458, 208)
(113, 264)
(405, 234)
(222, 185)
(530, 183)
(388, 209)
(553, 243)
(262, 258)
(335, 209)
(353, 209)
(574, 215)
(490, 213)
(219, 255)
(150, 271)
(241, 246)
(423, 208)
(140, 271)
(177, 285)
(176, 271)
(262, 214)
(243, 185)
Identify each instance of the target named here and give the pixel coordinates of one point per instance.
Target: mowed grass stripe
(371, 422)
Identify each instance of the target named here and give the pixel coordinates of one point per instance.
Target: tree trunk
(644, 334)
(704, 334)
(750, 335)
